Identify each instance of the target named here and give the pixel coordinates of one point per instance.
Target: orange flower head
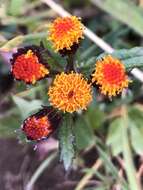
(37, 128)
(65, 32)
(27, 65)
(110, 76)
(70, 92)
(40, 125)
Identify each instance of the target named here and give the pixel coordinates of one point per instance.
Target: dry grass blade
(88, 176)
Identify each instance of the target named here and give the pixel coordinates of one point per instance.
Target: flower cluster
(70, 91)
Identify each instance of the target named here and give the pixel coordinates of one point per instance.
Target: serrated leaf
(66, 142)
(26, 107)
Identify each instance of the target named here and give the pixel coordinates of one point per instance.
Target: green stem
(70, 63)
(129, 166)
(40, 170)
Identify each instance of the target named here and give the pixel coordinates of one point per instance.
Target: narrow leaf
(136, 129)
(66, 140)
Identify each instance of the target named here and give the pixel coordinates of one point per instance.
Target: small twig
(140, 172)
(88, 176)
(121, 162)
(91, 35)
(117, 187)
(141, 3)
(69, 184)
(31, 6)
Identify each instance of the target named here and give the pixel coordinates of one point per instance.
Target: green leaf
(95, 116)
(130, 57)
(9, 45)
(137, 139)
(26, 107)
(124, 10)
(83, 133)
(8, 125)
(136, 115)
(101, 188)
(127, 152)
(88, 66)
(114, 138)
(66, 142)
(86, 54)
(136, 129)
(15, 7)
